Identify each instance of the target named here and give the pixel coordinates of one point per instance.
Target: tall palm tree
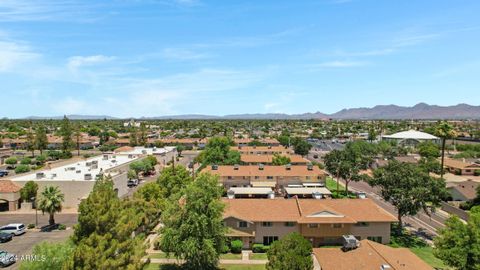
(51, 202)
(445, 131)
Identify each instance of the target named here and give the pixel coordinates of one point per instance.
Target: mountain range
(419, 111)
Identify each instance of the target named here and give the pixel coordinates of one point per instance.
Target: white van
(14, 228)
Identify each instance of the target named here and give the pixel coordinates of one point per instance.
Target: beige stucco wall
(374, 229)
(278, 229)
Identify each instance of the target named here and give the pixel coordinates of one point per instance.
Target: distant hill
(73, 117)
(419, 111)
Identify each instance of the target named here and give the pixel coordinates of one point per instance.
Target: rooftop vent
(214, 167)
(288, 167)
(105, 157)
(88, 176)
(78, 171)
(236, 167)
(88, 164)
(261, 167)
(144, 152)
(130, 156)
(385, 267)
(94, 161)
(310, 167)
(40, 175)
(231, 194)
(350, 242)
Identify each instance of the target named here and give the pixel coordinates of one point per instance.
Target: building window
(307, 177)
(377, 239)
(267, 240)
(337, 225)
(269, 177)
(266, 224)
(242, 224)
(312, 225)
(230, 177)
(257, 177)
(289, 224)
(362, 224)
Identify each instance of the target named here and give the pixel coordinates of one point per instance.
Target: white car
(14, 228)
(6, 258)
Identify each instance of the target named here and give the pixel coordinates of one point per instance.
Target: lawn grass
(426, 254)
(331, 185)
(242, 267)
(258, 256)
(156, 266)
(231, 256)
(160, 255)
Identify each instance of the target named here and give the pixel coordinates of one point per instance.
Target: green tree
(217, 151)
(30, 141)
(445, 131)
(66, 133)
(41, 140)
(51, 200)
(280, 160)
(52, 256)
(180, 149)
(29, 191)
(408, 188)
(173, 180)
(142, 137)
(133, 137)
(11, 161)
(292, 252)
(301, 147)
(372, 134)
(428, 150)
(458, 244)
(78, 135)
(138, 167)
(194, 228)
(22, 168)
(104, 231)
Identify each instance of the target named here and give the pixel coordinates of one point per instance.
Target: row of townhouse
(322, 222)
(277, 177)
(257, 159)
(247, 141)
(262, 150)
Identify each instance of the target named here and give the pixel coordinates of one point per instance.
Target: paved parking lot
(22, 245)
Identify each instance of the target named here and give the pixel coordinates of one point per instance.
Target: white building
(411, 137)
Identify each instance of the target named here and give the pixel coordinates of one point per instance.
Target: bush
(225, 249)
(22, 169)
(476, 172)
(30, 226)
(41, 159)
(236, 246)
(62, 227)
(260, 248)
(26, 161)
(11, 161)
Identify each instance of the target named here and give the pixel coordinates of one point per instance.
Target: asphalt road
(69, 219)
(22, 245)
(429, 224)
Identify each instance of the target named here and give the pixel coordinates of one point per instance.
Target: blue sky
(132, 58)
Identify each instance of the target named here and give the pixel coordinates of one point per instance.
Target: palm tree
(445, 131)
(51, 202)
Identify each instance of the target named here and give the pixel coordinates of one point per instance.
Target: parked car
(13, 229)
(6, 258)
(3, 173)
(132, 183)
(5, 237)
(49, 228)
(11, 167)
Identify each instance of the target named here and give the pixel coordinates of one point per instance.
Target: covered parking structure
(411, 138)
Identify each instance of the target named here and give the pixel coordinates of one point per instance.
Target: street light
(36, 213)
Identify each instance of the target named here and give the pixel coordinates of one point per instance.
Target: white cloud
(46, 10)
(76, 62)
(13, 54)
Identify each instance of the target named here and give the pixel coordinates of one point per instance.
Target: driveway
(22, 245)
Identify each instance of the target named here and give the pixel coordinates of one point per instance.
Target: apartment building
(277, 177)
(256, 159)
(266, 141)
(322, 222)
(461, 167)
(262, 150)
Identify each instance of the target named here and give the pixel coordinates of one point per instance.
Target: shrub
(62, 227)
(225, 249)
(11, 161)
(26, 161)
(476, 172)
(22, 169)
(260, 248)
(41, 159)
(236, 246)
(30, 226)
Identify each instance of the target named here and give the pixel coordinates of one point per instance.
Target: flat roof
(251, 190)
(148, 151)
(307, 190)
(76, 171)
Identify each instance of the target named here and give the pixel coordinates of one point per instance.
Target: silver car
(14, 228)
(6, 258)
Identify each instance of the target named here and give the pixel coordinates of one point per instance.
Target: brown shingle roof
(458, 164)
(346, 210)
(467, 188)
(368, 256)
(254, 170)
(7, 186)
